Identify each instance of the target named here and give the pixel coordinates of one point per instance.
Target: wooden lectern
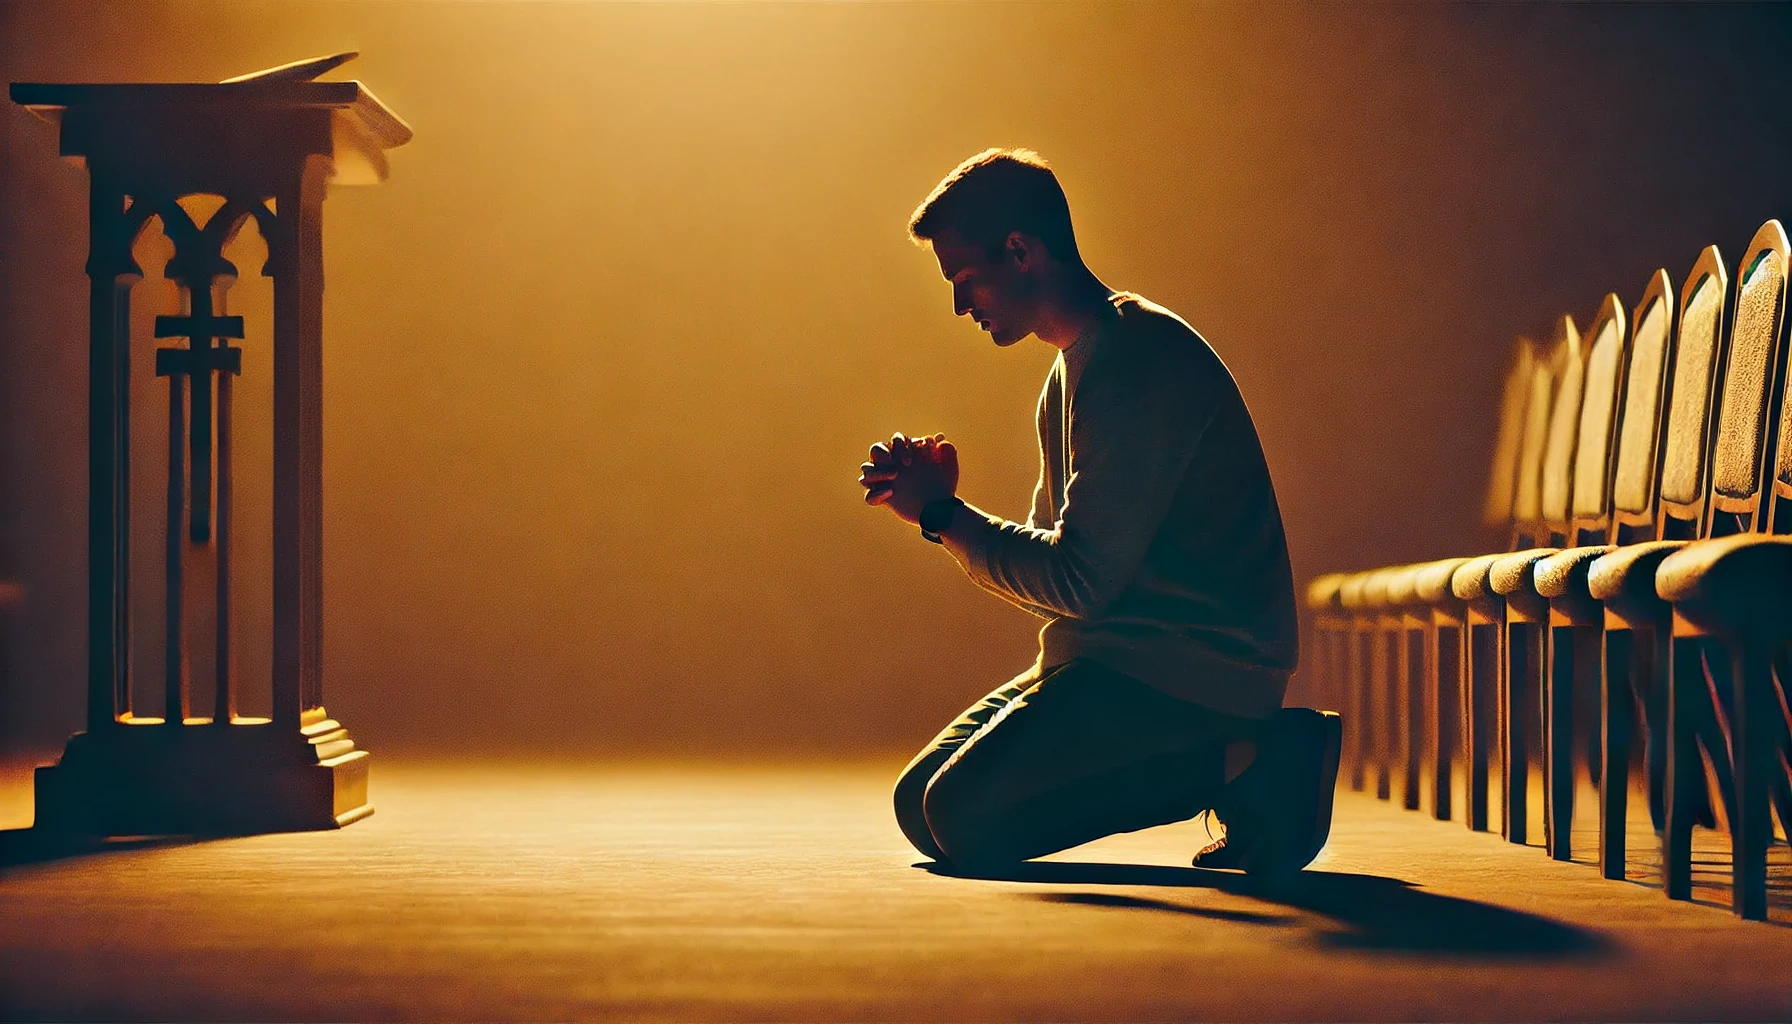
(268, 144)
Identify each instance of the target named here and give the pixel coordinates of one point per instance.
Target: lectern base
(145, 777)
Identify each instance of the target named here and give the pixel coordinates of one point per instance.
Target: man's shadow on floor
(1374, 912)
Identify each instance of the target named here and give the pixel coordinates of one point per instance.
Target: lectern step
(155, 780)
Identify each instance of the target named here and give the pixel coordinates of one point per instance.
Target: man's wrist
(937, 516)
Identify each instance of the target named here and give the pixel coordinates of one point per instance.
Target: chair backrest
(1644, 415)
(1749, 416)
(1502, 480)
(1557, 481)
(1701, 355)
(1527, 494)
(1595, 443)
(1779, 496)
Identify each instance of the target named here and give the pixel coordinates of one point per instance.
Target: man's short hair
(996, 192)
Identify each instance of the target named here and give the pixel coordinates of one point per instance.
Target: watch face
(936, 517)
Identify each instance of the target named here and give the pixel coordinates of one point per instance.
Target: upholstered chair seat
(1322, 593)
(1625, 579)
(1738, 586)
(1510, 576)
(1562, 577)
(1402, 590)
(1375, 590)
(1564, 574)
(1470, 584)
(1431, 582)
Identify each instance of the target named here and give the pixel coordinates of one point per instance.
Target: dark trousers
(1057, 758)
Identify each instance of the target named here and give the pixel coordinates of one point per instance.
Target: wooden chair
(1636, 621)
(1512, 612)
(1356, 676)
(1476, 617)
(1559, 649)
(1408, 608)
(1369, 633)
(1454, 723)
(1421, 621)
(1736, 591)
(1440, 717)
(1383, 626)
(1570, 629)
(1406, 635)
(1622, 504)
(1729, 596)
(1329, 627)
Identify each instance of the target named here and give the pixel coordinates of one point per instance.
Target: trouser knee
(968, 829)
(911, 815)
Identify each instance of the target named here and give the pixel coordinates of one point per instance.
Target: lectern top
(359, 127)
(49, 100)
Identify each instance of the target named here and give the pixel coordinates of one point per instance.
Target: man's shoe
(1278, 812)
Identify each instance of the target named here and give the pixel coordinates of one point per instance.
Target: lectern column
(298, 443)
(111, 273)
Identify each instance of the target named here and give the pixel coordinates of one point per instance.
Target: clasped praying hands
(908, 473)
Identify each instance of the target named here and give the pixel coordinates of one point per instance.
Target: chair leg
(1480, 671)
(1712, 709)
(1558, 743)
(1751, 829)
(1521, 683)
(1780, 718)
(1589, 657)
(1357, 723)
(1782, 797)
(1651, 680)
(1332, 682)
(1412, 704)
(1617, 714)
(1386, 714)
(1443, 660)
(1683, 770)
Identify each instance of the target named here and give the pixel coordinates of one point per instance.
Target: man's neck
(1081, 302)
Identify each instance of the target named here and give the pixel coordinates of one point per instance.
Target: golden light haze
(603, 354)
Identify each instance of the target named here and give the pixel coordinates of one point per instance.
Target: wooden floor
(551, 892)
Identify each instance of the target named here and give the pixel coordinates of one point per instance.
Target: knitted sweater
(1155, 545)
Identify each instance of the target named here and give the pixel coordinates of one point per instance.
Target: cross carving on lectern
(201, 355)
(198, 362)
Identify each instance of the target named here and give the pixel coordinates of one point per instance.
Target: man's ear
(1019, 249)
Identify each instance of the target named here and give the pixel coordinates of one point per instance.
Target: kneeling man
(1154, 551)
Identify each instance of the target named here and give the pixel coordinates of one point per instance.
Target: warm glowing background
(603, 354)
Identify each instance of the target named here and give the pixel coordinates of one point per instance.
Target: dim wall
(604, 353)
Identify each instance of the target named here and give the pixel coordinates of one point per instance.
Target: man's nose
(961, 301)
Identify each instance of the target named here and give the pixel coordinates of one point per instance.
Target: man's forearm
(964, 539)
(1024, 566)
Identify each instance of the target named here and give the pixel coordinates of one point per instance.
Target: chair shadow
(1374, 912)
(20, 847)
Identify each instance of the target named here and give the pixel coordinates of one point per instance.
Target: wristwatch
(936, 517)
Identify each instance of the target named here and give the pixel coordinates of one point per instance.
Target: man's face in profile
(998, 293)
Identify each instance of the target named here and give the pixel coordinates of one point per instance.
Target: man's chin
(1004, 338)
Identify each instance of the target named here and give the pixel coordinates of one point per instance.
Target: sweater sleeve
(1135, 422)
